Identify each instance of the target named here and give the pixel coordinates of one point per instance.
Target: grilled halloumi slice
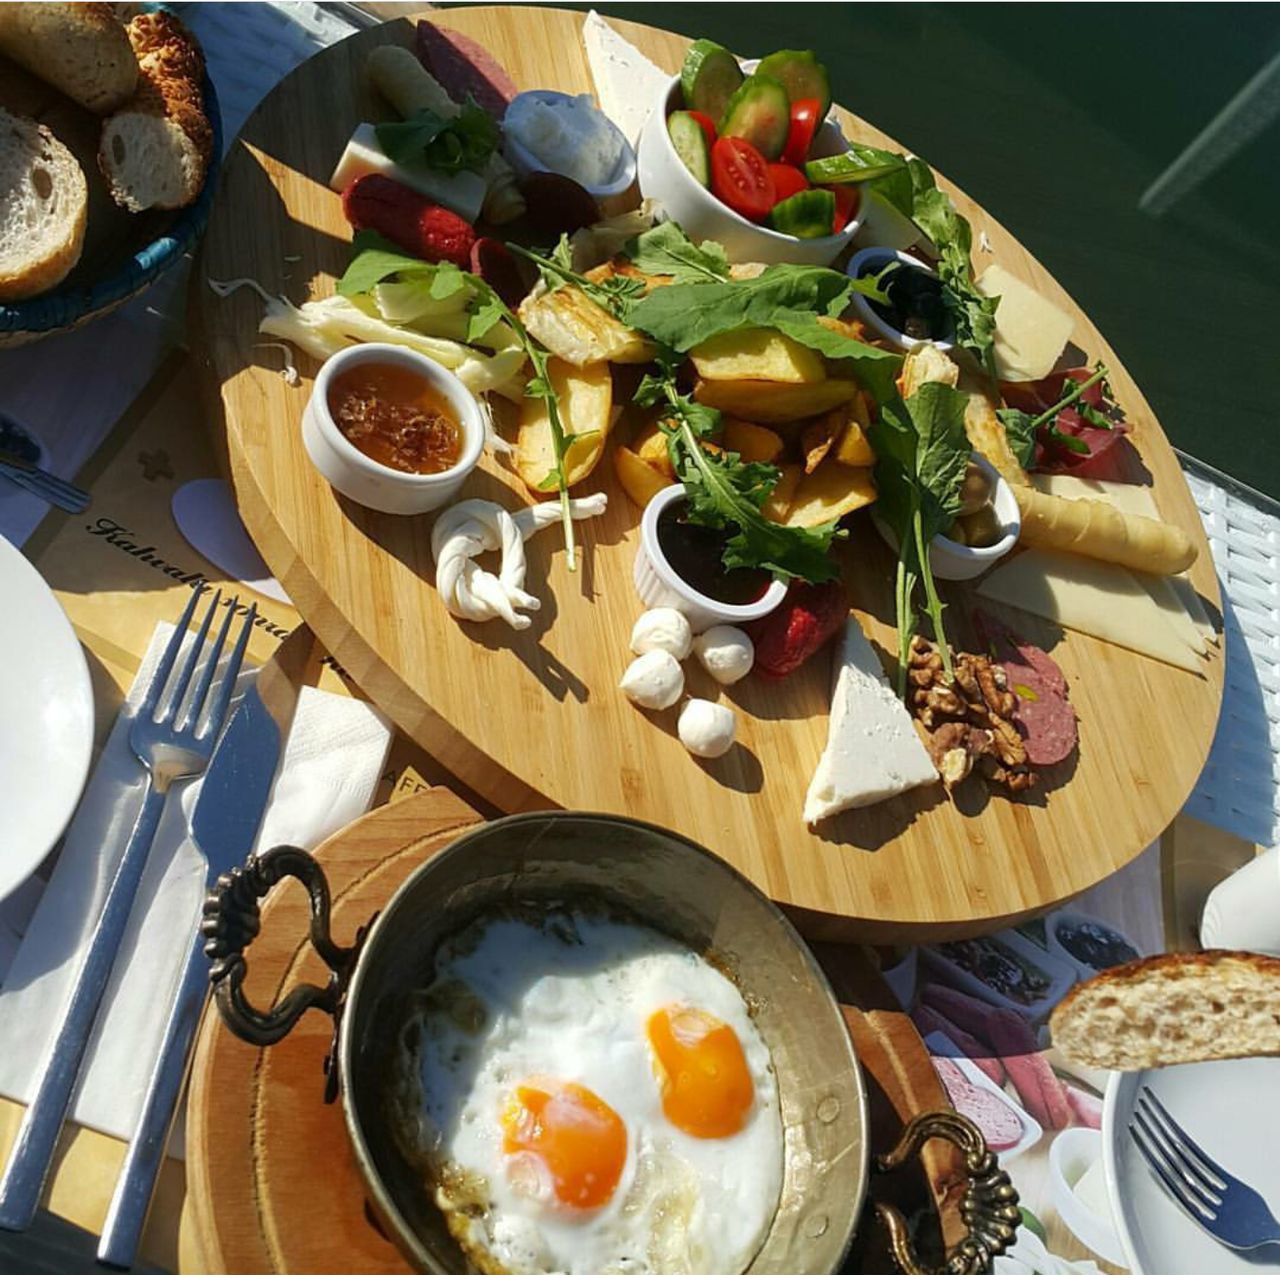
(578, 331)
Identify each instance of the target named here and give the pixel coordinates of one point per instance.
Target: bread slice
(81, 49)
(1172, 1009)
(155, 151)
(43, 202)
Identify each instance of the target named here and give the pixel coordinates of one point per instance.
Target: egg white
(569, 998)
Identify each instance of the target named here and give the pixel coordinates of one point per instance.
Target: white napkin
(327, 776)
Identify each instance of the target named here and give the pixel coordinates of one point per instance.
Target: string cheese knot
(471, 527)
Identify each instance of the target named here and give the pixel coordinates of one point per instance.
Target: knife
(225, 825)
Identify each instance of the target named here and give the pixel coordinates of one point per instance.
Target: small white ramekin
(870, 261)
(659, 585)
(525, 162)
(365, 480)
(665, 179)
(949, 559)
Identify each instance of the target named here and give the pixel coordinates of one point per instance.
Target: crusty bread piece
(81, 49)
(1172, 1009)
(155, 151)
(43, 201)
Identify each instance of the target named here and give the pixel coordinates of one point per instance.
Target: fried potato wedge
(751, 442)
(640, 480)
(772, 402)
(923, 364)
(779, 502)
(757, 354)
(578, 331)
(586, 407)
(819, 436)
(650, 444)
(987, 435)
(828, 493)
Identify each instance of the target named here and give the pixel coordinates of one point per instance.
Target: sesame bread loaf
(155, 151)
(81, 49)
(1171, 1009)
(43, 202)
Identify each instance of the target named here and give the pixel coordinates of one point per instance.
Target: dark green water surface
(1056, 117)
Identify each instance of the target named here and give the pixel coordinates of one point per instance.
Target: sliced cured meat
(1000, 1124)
(1046, 722)
(1008, 648)
(1097, 463)
(1041, 1092)
(464, 67)
(1086, 1108)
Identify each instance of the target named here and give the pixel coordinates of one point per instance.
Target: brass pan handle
(989, 1207)
(232, 919)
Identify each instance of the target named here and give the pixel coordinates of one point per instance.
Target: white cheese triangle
(627, 83)
(1097, 598)
(873, 751)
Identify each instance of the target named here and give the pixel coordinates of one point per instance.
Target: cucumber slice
(810, 214)
(691, 145)
(801, 74)
(759, 113)
(852, 167)
(709, 77)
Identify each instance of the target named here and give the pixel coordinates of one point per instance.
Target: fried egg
(596, 1100)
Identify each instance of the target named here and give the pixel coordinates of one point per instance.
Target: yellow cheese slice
(1128, 498)
(1031, 333)
(1167, 598)
(1097, 598)
(1195, 608)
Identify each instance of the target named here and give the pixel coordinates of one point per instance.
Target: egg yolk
(578, 1137)
(706, 1088)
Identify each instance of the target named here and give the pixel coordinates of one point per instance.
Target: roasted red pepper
(810, 615)
(409, 220)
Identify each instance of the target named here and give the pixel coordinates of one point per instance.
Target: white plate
(1231, 1110)
(46, 719)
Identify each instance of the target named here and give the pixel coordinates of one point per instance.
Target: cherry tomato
(787, 181)
(708, 127)
(804, 124)
(847, 201)
(740, 178)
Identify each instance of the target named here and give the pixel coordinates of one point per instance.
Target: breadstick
(410, 88)
(1095, 529)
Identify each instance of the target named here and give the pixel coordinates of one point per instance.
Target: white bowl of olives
(984, 531)
(915, 313)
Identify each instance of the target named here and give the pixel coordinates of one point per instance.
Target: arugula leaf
(1019, 429)
(562, 253)
(922, 453)
(684, 315)
(722, 491)
(667, 250)
(446, 145)
(377, 259)
(612, 294)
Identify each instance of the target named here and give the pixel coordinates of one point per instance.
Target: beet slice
(557, 205)
(498, 267)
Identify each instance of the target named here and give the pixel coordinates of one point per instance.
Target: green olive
(980, 529)
(976, 490)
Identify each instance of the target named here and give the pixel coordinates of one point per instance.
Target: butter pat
(873, 751)
(1031, 333)
(462, 193)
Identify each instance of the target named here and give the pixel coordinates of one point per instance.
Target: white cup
(1242, 913)
(365, 480)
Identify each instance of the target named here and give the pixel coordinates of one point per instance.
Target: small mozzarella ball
(655, 680)
(727, 653)
(706, 729)
(662, 629)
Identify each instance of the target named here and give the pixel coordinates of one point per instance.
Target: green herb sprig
(446, 145)
(922, 453)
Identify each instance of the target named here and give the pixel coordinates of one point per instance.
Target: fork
(40, 482)
(169, 748)
(1232, 1212)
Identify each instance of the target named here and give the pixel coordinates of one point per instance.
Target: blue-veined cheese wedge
(462, 193)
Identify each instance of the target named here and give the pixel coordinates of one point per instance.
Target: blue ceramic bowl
(71, 304)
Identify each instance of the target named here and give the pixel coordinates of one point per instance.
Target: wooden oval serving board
(534, 719)
(273, 1186)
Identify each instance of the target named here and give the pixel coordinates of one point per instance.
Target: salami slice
(462, 66)
(1046, 722)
